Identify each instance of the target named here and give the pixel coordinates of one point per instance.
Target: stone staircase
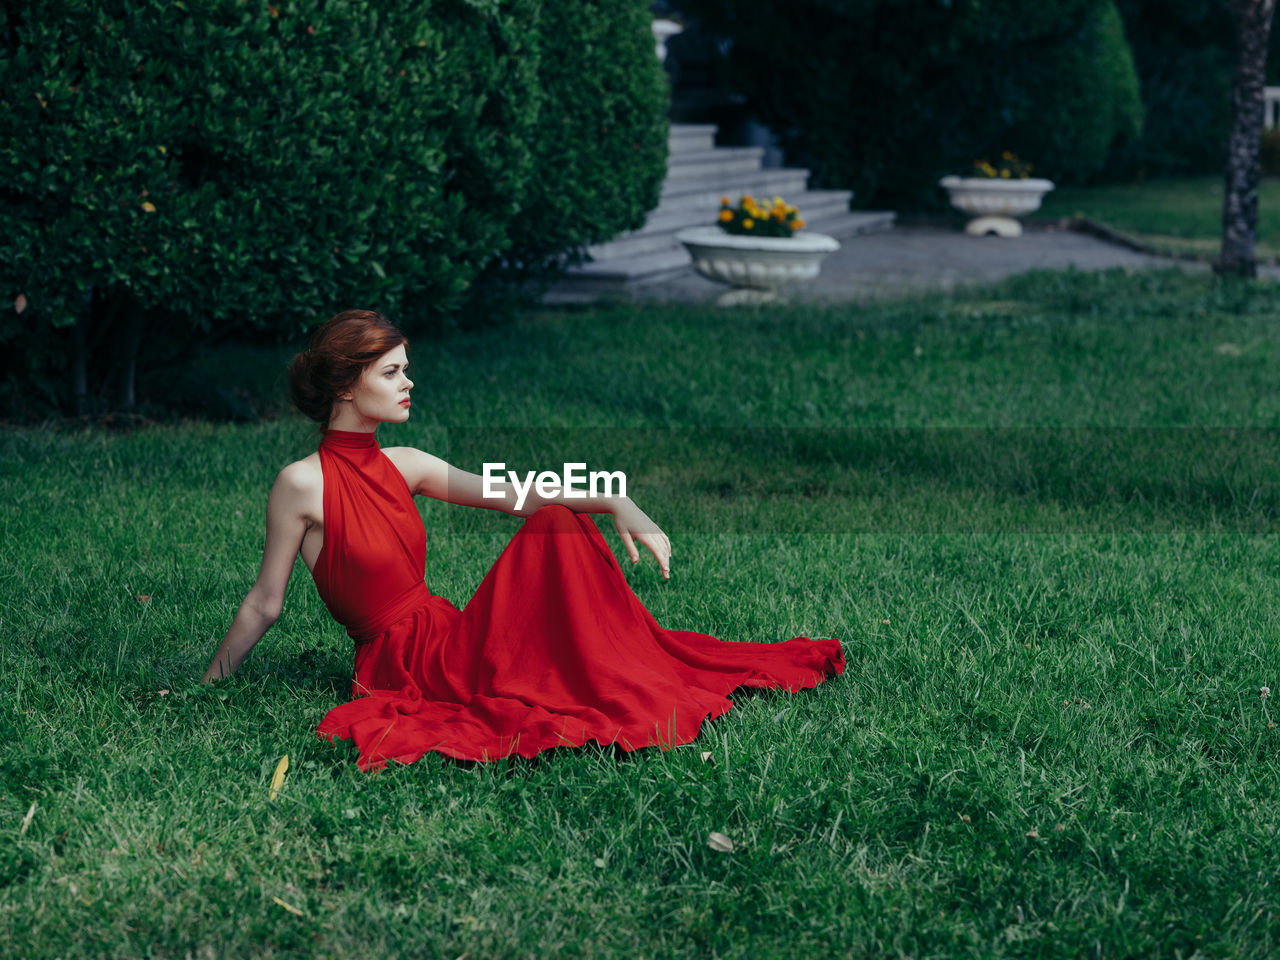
(698, 175)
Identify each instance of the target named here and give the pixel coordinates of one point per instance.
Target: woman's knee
(554, 516)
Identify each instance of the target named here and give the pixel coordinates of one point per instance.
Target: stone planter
(664, 30)
(994, 203)
(755, 266)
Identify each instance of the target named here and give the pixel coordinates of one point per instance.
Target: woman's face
(382, 392)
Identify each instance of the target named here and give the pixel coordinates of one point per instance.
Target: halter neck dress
(554, 649)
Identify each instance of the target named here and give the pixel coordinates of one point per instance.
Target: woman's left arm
(429, 476)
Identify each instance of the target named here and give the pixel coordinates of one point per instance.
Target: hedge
(171, 169)
(601, 149)
(885, 96)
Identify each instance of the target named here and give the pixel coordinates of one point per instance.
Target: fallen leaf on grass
(277, 779)
(20, 303)
(290, 907)
(143, 598)
(26, 821)
(718, 841)
(706, 756)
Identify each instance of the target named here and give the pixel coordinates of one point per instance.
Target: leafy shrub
(251, 164)
(168, 169)
(1082, 100)
(601, 141)
(884, 96)
(1184, 53)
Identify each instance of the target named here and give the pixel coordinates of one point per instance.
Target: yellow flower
(1004, 174)
(748, 223)
(798, 224)
(148, 206)
(726, 216)
(748, 200)
(724, 201)
(1007, 155)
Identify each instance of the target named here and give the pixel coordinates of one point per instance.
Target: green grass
(1175, 215)
(1040, 516)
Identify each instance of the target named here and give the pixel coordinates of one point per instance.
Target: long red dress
(553, 650)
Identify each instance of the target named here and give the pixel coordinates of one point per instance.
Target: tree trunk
(1240, 194)
(79, 374)
(130, 338)
(80, 356)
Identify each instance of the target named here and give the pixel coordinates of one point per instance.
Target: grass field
(1171, 215)
(1041, 517)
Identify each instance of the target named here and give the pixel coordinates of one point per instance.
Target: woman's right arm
(288, 517)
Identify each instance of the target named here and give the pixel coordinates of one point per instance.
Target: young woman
(554, 648)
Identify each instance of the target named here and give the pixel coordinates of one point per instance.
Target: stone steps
(699, 174)
(691, 136)
(720, 163)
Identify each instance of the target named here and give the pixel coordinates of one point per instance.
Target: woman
(553, 649)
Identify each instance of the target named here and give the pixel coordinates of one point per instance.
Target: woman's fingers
(653, 539)
(630, 544)
(660, 547)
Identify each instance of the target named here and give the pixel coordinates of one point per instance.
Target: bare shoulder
(299, 487)
(416, 466)
(302, 475)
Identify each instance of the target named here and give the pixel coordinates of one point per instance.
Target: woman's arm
(287, 521)
(429, 476)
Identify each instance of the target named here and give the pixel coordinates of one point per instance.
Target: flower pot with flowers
(756, 248)
(995, 193)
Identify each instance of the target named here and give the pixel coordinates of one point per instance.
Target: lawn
(1041, 517)
(1173, 215)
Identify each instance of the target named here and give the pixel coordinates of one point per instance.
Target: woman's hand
(634, 526)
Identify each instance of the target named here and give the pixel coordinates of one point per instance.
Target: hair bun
(341, 348)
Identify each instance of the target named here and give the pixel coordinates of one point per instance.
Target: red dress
(553, 650)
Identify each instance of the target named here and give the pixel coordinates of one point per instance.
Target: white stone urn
(755, 266)
(664, 30)
(993, 203)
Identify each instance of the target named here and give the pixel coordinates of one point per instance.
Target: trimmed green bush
(601, 146)
(885, 96)
(249, 164)
(1184, 52)
(171, 169)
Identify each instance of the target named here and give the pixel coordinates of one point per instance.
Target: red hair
(340, 349)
